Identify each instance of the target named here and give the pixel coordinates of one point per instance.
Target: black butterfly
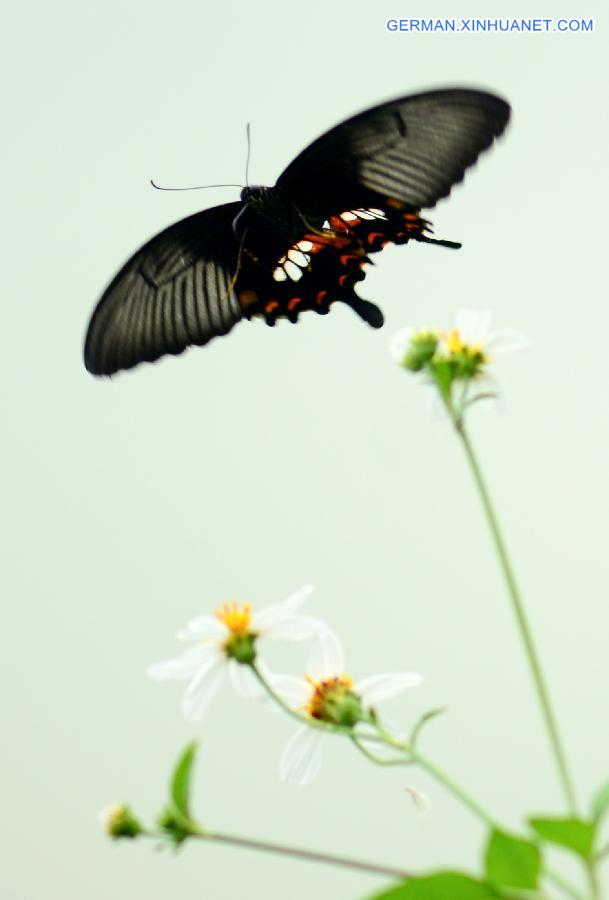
(301, 244)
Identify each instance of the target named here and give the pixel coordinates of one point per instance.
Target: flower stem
(318, 724)
(345, 862)
(521, 619)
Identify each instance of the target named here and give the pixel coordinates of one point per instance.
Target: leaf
(573, 833)
(440, 886)
(512, 862)
(180, 783)
(600, 803)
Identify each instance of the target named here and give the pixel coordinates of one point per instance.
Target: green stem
(594, 879)
(476, 808)
(600, 854)
(521, 619)
(332, 859)
(377, 760)
(317, 724)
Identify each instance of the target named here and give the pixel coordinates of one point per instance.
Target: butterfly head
(253, 194)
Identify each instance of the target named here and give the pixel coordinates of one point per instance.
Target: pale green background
(273, 458)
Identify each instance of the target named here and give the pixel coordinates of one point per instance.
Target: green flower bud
(423, 346)
(119, 822)
(175, 826)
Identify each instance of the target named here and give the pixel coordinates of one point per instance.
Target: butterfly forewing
(412, 149)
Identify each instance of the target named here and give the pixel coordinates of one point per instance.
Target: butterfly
(302, 244)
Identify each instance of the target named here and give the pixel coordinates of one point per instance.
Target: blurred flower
(118, 821)
(328, 694)
(414, 349)
(226, 642)
(459, 356)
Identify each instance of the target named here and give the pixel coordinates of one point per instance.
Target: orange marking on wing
(247, 298)
(321, 296)
(293, 303)
(271, 306)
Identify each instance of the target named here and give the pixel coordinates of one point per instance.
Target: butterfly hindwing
(175, 291)
(282, 277)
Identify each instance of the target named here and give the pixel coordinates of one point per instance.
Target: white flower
(473, 331)
(321, 694)
(467, 349)
(225, 642)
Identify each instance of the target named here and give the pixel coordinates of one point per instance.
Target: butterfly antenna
(249, 151)
(198, 187)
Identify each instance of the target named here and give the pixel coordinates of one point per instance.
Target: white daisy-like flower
(460, 356)
(224, 643)
(472, 333)
(327, 693)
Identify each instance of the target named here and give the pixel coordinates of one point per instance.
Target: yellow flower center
(457, 346)
(326, 692)
(237, 617)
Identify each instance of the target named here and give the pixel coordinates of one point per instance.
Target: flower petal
(267, 617)
(295, 628)
(301, 759)
(296, 600)
(184, 666)
(399, 345)
(203, 687)
(295, 691)
(386, 685)
(473, 325)
(507, 340)
(327, 658)
(245, 682)
(202, 628)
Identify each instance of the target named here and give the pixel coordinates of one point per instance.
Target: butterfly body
(302, 244)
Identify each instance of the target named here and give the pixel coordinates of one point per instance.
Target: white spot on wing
(299, 258)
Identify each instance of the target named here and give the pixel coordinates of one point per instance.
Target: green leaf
(600, 804)
(573, 833)
(180, 783)
(440, 886)
(512, 862)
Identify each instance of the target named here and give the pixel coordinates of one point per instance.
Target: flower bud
(119, 822)
(422, 348)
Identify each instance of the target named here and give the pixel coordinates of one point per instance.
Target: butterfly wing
(412, 149)
(177, 290)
